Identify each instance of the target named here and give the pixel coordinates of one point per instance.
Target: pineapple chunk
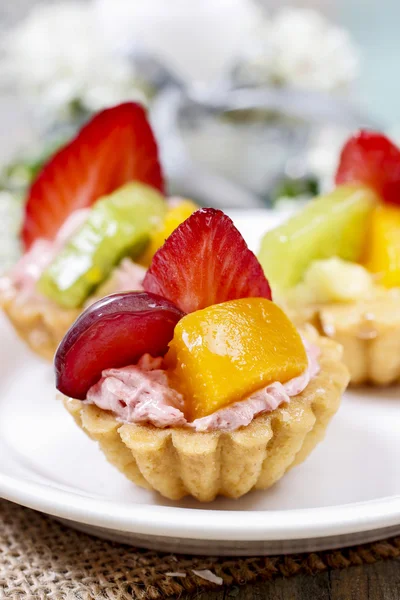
(333, 280)
(225, 352)
(383, 253)
(174, 217)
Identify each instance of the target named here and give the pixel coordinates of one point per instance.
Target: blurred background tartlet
(276, 113)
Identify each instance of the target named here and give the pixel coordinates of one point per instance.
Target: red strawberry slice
(371, 158)
(205, 261)
(115, 147)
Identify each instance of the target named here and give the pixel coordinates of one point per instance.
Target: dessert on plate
(200, 384)
(95, 210)
(336, 264)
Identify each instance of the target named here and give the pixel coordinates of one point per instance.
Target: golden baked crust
(369, 332)
(40, 323)
(178, 462)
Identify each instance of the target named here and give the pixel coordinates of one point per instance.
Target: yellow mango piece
(173, 218)
(223, 353)
(383, 252)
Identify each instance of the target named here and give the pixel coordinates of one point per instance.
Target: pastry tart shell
(41, 324)
(369, 332)
(178, 462)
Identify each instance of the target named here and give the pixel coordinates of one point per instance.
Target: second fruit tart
(95, 208)
(200, 384)
(336, 264)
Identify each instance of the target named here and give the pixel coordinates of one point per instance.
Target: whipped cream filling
(22, 278)
(26, 272)
(141, 393)
(125, 277)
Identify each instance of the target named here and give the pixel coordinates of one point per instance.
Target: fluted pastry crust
(369, 332)
(42, 324)
(39, 323)
(178, 462)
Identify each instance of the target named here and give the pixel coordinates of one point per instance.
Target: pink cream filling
(141, 393)
(31, 265)
(24, 275)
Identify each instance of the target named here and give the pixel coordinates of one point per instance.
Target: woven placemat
(40, 559)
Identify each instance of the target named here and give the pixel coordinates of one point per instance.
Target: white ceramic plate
(347, 492)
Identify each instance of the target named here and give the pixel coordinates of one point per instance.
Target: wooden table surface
(379, 581)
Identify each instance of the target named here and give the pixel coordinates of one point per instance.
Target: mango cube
(223, 353)
(383, 253)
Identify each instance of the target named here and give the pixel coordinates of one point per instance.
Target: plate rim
(203, 524)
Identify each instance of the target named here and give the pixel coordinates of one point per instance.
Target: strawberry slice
(205, 261)
(115, 147)
(371, 158)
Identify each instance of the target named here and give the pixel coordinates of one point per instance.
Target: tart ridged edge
(369, 332)
(40, 324)
(178, 462)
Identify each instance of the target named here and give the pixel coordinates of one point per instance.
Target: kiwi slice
(118, 225)
(331, 225)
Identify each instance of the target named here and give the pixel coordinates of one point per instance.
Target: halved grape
(113, 332)
(331, 225)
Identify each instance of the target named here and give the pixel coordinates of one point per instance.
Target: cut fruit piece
(173, 218)
(117, 226)
(225, 352)
(383, 252)
(114, 332)
(115, 147)
(333, 280)
(331, 225)
(372, 159)
(205, 261)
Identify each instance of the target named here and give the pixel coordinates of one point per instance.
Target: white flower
(323, 155)
(10, 218)
(198, 40)
(300, 48)
(58, 55)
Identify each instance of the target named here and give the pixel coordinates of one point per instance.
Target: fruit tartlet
(200, 384)
(95, 208)
(336, 264)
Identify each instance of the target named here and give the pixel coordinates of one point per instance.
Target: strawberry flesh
(115, 147)
(205, 261)
(114, 332)
(372, 159)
